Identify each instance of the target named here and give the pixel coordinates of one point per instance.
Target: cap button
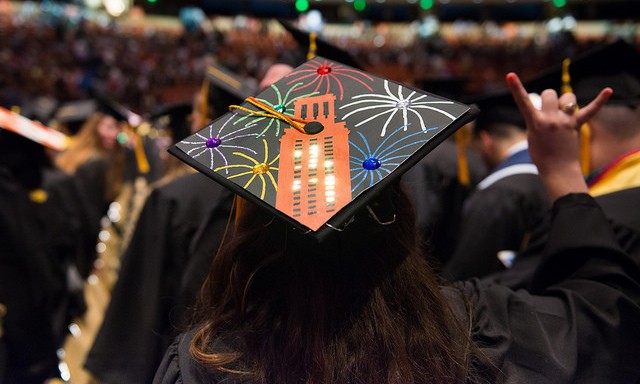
(260, 169)
(324, 70)
(371, 164)
(313, 127)
(213, 142)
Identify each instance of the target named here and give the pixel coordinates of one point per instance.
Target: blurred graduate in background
(40, 239)
(505, 206)
(178, 232)
(610, 145)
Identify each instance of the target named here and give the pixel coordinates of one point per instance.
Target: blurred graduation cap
(109, 106)
(615, 65)
(40, 108)
(496, 108)
(222, 87)
(318, 47)
(452, 88)
(174, 119)
(73, 114)
(319, 144)
(33, 130)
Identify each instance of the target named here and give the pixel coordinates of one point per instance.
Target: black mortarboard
(238, 87)
(73, 114)
(40, 108)
(174, 119)
(320, 143)
(314, 46)
(33, 130)
(225, 87)
(495, 108)
(109, 106)
(452, 88)
(615, 65)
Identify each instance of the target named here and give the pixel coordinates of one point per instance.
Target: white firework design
(213, 143)
(391, 104)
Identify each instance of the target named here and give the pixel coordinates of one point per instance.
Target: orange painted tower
(312, 185)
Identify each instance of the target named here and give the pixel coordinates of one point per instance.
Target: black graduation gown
(578, 325)
(71, 242)
(621, 208)
(494, 219)
(437, 196)
(31, 236)
(181, 225)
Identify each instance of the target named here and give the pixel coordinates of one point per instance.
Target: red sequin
(324, 70)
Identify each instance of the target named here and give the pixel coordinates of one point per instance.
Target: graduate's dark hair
(363, 306)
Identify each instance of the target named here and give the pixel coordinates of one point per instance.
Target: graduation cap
(222, 87)
(40, 108)
(109, 106)
(316, 146)
(319, 47)
(615, 65)
(452, 88)
(496, 108)
(73, 114)
(230, 82)
(174, 119)
(33, 130)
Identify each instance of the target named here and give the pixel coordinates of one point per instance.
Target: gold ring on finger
(569, 107)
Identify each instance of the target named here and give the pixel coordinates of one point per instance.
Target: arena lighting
(314, 23)
(115, 8)
(302, 5)
(93, 3)
(426, 4)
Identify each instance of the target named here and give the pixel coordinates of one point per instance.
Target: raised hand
(552, 132)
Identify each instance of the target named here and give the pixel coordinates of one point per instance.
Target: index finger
(520, 96)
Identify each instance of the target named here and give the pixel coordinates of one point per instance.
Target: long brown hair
(87, 145)
(362, 307)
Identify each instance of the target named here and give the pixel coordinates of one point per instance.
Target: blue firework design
(370, 165)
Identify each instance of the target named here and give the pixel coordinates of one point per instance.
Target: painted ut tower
(314, 181)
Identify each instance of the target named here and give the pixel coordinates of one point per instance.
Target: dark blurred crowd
(144, 67)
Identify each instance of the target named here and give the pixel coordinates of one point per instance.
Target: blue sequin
(280, 108)
(371, 164)
(213, 142)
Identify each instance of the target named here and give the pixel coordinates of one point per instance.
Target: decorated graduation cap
(32, 130)
(320, 143)
(316, 46)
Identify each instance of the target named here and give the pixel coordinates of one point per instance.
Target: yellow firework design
(255, 169)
